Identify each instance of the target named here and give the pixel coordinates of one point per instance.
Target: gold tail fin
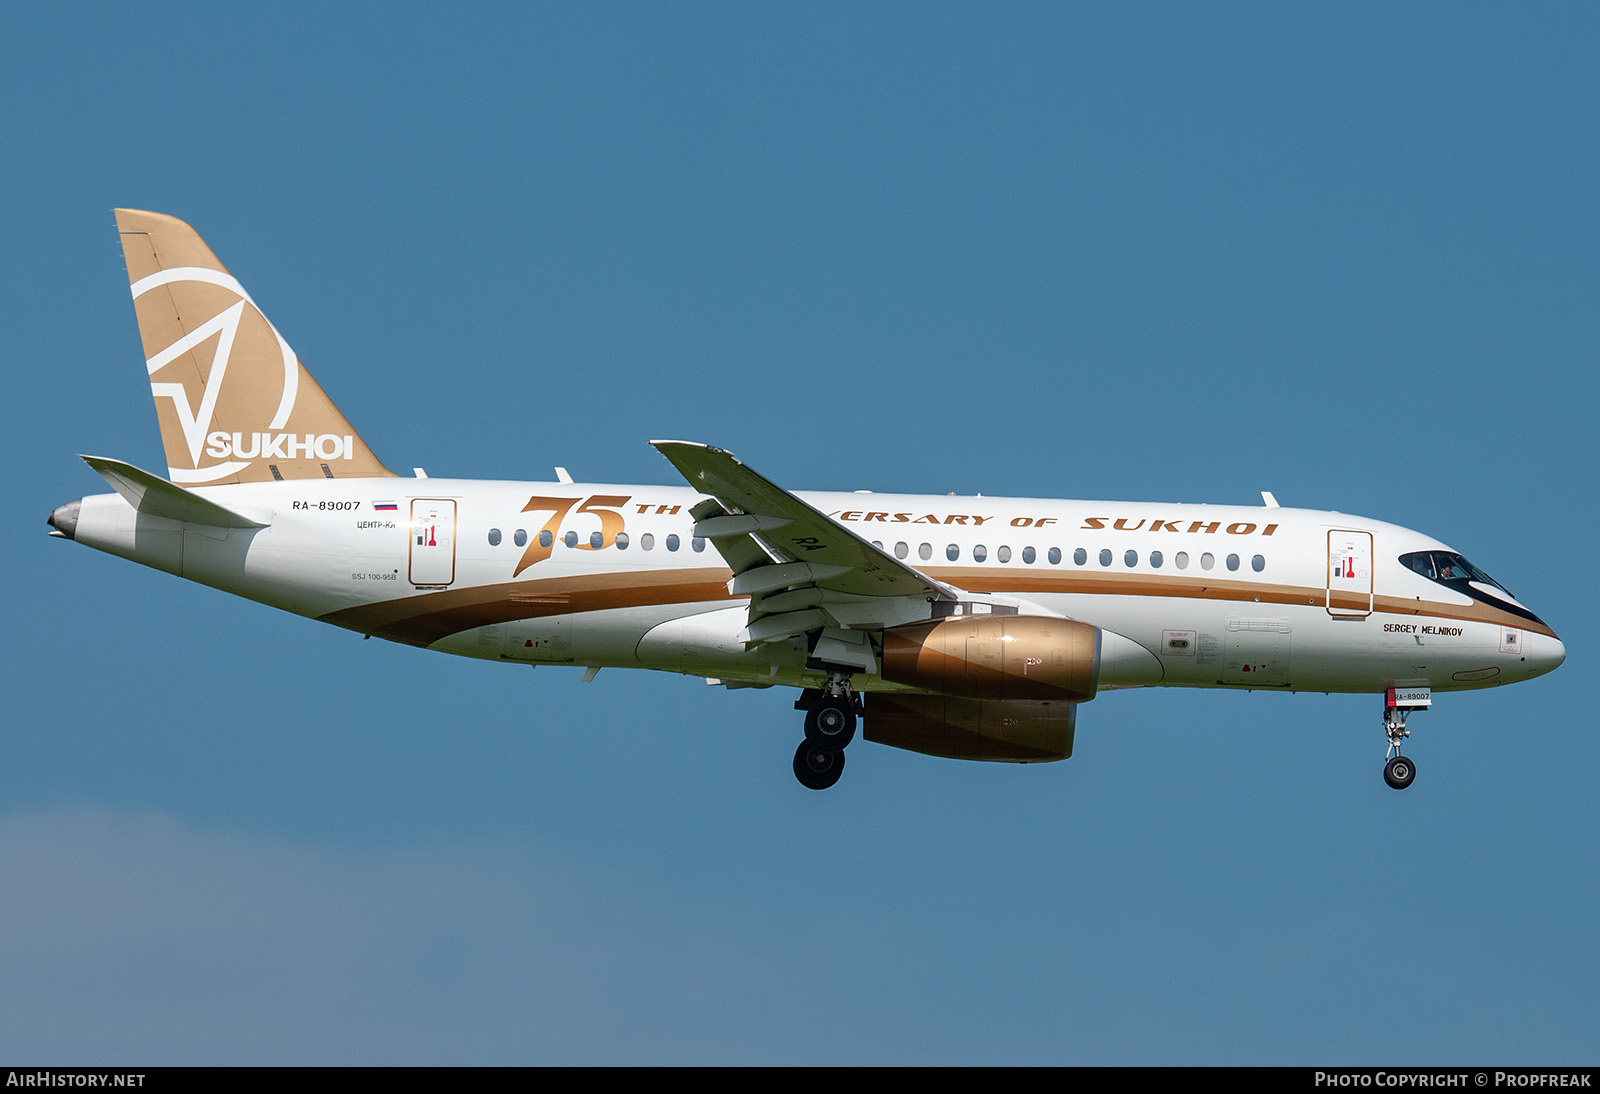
(234, 402)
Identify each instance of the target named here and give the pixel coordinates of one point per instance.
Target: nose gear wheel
(1399, 772)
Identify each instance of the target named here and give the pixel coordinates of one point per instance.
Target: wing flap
(782, 575)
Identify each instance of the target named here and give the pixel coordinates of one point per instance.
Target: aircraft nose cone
(64, 519)
(1544, 653)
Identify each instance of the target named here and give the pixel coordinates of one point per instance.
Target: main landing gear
(1398, 703)
(830, 725)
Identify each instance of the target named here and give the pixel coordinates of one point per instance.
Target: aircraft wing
(802, 571)
(793, 531)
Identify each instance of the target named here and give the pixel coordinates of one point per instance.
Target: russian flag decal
(385, 506)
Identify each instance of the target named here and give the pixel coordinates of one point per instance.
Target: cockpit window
(1460, 576)
(1447, 567)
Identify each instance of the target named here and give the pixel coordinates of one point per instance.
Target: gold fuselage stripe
(425, 618)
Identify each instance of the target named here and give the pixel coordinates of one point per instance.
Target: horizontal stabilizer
(157, 497)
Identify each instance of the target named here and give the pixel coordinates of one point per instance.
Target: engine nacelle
(999, 730)
(996, 657)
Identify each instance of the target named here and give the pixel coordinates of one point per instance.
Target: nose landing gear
(1398, 703)
(830, 726)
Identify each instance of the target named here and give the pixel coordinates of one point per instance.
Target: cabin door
(1349, 573)
(433, 541)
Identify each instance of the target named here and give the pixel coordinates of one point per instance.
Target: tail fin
(234, 402)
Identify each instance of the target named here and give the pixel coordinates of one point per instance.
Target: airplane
(968, 627)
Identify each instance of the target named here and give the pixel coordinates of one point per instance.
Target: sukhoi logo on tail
(196, 420)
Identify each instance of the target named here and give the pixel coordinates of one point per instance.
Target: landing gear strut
(830, 725)
(1398, 703)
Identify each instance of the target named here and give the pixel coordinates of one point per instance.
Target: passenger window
(979, 553)
(622, 541)
(596, 540)
(1181, 560)
(1003, 554)
(925, 552)
(952, 552)
(1207, 561)
(698, 543)
(1080, 557)
(494, 537)
(647, 541)
(1233, 562)
(570, 539)
(1258, 564)
(1155, 560)
(672, 542)
(1055, 556)
(520, 537)
(1130, 559)
(1028, 556)
(545, 538)
(901, 550)
(1105, 556)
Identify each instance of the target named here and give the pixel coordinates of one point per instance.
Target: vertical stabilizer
(234, 402)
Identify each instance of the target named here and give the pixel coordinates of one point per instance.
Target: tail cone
(65, 520)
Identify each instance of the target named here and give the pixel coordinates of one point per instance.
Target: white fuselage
(1203, 595)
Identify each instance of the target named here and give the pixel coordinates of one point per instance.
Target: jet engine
(996, 657)
(1001, 730)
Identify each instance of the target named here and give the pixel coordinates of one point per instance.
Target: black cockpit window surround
(1447, 567)
(1458, 575)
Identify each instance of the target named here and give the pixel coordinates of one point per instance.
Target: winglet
(159, 498)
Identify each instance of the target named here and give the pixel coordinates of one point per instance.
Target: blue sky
(1348, 255)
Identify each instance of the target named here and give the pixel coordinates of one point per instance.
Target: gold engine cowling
(996, 657)
(999, 730)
